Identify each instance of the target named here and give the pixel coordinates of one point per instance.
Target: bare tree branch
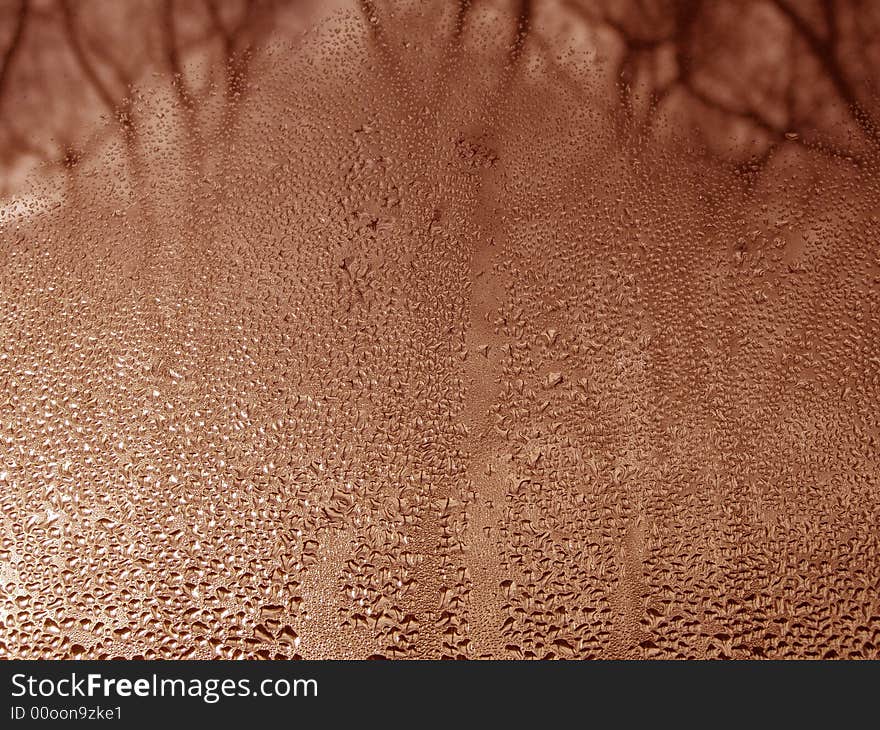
(825, 52)
(82, 59)
(461, 13)
(14, 45)
(522, 27)
(749, 115)
(172, 55)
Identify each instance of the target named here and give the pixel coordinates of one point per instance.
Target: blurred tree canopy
(748, 75)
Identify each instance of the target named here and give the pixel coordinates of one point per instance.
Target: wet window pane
(489, 329)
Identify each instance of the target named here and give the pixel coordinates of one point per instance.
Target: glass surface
(475, 330)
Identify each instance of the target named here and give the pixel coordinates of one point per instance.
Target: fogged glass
(492, 329)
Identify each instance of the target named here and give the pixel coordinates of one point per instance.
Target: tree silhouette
(745, 75)
(65, 65)
(801, 73)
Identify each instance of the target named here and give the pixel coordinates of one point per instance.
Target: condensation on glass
(482, 330)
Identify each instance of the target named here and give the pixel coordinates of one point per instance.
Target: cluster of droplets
(420, 356)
